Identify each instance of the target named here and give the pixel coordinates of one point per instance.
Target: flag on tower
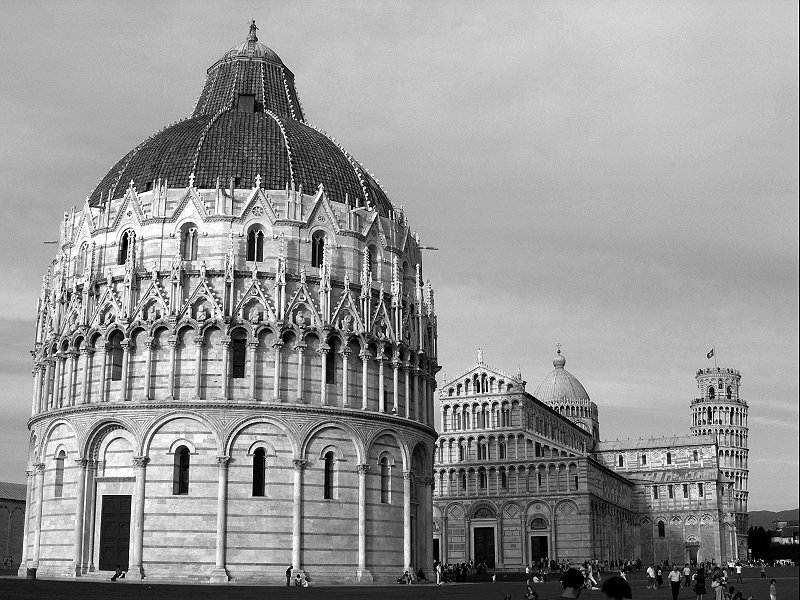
(710, 355)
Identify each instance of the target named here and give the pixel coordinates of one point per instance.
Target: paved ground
(15, 588)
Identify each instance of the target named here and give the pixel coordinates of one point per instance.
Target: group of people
(8, 562)
(298, 581)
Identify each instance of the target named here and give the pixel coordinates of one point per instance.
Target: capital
(222, 462)
(199, 342)
(363, 469)
(408, 475)
(277, 345)
(81, 462)
(140, 462)
(298, 464)
(29, 473)
(148, 343)
(39, 468)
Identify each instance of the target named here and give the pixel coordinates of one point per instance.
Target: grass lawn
(12, 588)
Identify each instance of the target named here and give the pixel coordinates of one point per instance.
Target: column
(198, 367)
(37, 390)
(72, 379)
(443, 554)
(126, 357)
(406, 371)
(363, 575)
(104, 372)
(323, 389)
(523, 526)
(37, 527)
(407, 520)
(417, 416)
(148, 367)
(499, 535)
(91, 509)
(251, 351)
(226, 358)
(297, 514)
(140, 470)
(77, 532)
(220, 573)
(60, 358)
(87, 366)
(47, 389)
(172, 342)
(300, 351)
(395, 384)
(467, 540)
(23, 563)
(381, 395)
(276, 384)
(364, 368)
(345, 375)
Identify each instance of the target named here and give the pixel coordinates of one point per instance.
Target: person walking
(659, 577)
(651, 578)
(289, 576)
(738, 572)
(773, 590)
(718, 587)
(675, 581)
(687, 575)
(700, 584)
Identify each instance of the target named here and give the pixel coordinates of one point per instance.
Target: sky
(617, 177)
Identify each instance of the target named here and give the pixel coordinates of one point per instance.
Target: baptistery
(235, 357)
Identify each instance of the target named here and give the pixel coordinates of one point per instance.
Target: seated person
(298, 581)
(616, 588)
(421, 575)
(530, 594)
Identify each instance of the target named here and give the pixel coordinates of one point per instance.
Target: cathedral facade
(524, 477)
(234, 344)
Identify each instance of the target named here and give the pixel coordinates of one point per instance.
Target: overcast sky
(619, 177)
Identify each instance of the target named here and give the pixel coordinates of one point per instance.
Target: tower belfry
(719, 410)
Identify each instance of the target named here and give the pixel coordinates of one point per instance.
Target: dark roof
(13, 491)
(220, 142)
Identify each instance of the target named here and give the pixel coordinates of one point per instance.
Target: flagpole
(714, 348)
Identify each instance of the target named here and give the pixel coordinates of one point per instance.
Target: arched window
(259, 471)
(317, 249)
(700, 489)
(189, 241)
(729, 393)
(503, 479)
(620, 461)
(655, 492)
(372, 257)
(116, 355)
(695, 456)
(661, 529)
(482, 479)
(539, 479)
(330, 361)
(539, 523)
(719, 383)
(126, 242)
(669, 458)
(82, 260)
(255, 245)
(327, 492)
(461, 452)
(711, 393)
(180, 472)
(238, 353)
(386, 497)
(575, 482)
(58, 488)
(464, 481)
(644, 459)
(501, 447)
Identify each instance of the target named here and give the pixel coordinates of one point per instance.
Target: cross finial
(191, 180)
(252, 37)
(480, 356)
(558, 348)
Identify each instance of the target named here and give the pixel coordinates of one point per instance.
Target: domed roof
(560, 386)
(247, 122)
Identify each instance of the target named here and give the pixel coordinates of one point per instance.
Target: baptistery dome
(562, 391)
(235, 357)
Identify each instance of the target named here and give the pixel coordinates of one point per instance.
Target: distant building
(785, 533)
(12, 520)
(522, 478)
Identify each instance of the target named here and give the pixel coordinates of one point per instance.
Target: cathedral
(234, 344)
(523, 477)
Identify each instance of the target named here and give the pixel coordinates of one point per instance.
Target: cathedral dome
(247, 123)
(560, 385)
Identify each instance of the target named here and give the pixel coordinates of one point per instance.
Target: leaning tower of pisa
(720, 410)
